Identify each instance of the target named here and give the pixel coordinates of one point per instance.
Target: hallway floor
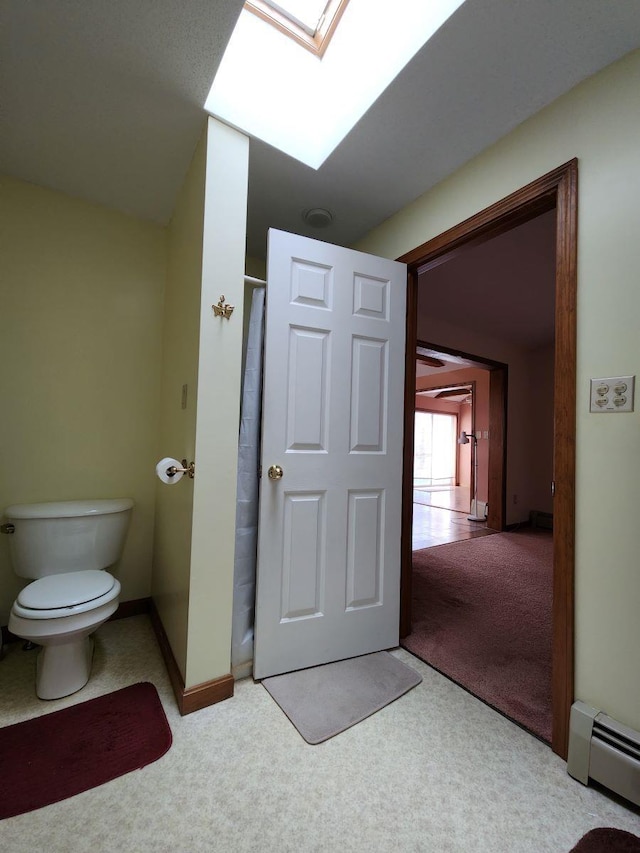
(433, 525)
(457, 498)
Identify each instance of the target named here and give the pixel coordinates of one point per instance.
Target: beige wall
(81, 295)
(97, 364)
(195, 531)
(598, 122)
(216, 453)
(177, 434)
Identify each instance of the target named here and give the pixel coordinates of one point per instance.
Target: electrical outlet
(515, 500)
(612, 394)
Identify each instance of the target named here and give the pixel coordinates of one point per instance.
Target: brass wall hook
(222, 309)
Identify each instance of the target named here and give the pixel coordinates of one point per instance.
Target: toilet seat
(57, 596)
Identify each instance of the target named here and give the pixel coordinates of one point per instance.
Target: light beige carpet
(325, 700)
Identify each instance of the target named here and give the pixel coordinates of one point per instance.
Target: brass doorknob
(275, 472)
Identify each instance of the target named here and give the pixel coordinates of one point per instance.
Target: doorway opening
(557, 192)
(451, 507)
(475, 388)
(481, 610)
(440, 484)
(434, 456)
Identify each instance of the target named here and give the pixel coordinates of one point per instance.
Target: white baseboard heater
(602, 749)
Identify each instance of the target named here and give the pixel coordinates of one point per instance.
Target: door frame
(557, 190)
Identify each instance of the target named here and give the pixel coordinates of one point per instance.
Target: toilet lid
(65, 590)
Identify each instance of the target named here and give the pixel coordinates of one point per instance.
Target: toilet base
(63, 668)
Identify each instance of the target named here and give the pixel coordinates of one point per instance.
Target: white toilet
(66, 545)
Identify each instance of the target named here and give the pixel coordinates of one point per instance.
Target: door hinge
(553, 488)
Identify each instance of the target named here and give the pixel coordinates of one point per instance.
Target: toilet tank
(67, 536)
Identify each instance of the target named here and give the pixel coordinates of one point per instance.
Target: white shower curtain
(244, 576)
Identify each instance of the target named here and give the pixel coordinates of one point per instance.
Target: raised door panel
(304, 555)
(368, 395)
(364, 549)
(307, 394)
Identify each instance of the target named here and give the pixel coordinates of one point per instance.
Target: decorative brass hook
(222, 309)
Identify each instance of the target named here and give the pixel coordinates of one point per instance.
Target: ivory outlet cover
(612, 394)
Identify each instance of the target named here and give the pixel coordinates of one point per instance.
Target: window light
(305, 105)
(310, 23)
(306, 12)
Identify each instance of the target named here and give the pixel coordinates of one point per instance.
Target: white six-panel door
(328, 584)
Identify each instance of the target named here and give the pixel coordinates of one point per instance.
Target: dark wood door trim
(497, 490)
(564, 449)
(406, 550)
(556, 190)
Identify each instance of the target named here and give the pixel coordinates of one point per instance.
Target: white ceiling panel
(104, 101)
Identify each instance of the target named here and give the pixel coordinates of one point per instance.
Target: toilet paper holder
(189, 469)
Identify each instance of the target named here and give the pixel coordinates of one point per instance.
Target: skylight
(268, 87)
(310, 23)
(305, 13)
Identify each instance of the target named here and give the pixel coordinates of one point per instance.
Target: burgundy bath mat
(606, 840)
(52, 757)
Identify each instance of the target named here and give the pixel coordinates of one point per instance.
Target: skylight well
(305, 101)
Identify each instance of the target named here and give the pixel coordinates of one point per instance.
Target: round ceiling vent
(317, 217)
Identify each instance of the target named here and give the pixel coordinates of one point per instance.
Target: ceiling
(103, 101)
(448, 394)
(429, 370)
(504, 287)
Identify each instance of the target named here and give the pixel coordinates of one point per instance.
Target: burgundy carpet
(604, 840)
(52, 757)
(482, 617)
